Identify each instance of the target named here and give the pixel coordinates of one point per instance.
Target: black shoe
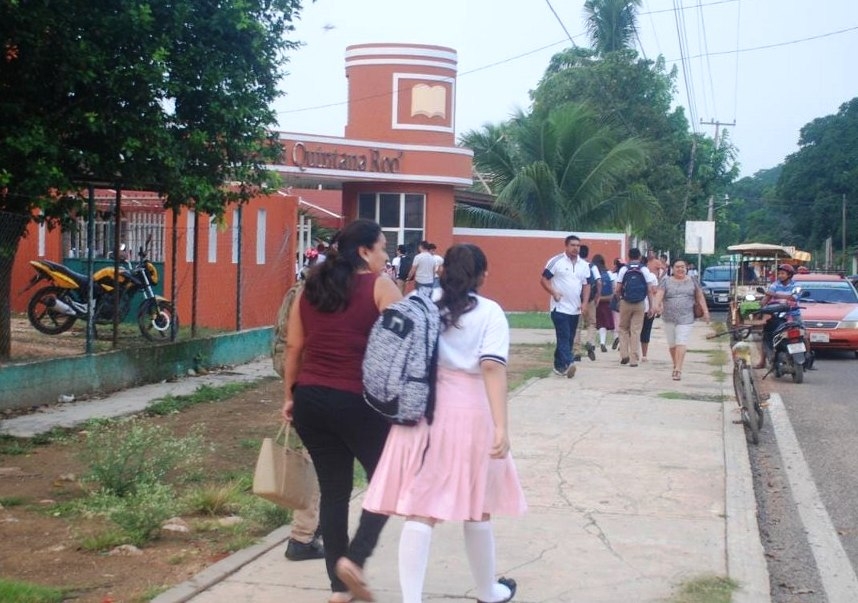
(302, 551)
(603, 348)
(577, 358)
(624, 361)
(616, 343)
(510, 584)
(591, 351)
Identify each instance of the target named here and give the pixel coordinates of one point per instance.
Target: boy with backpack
(635, 285)
(584, 339)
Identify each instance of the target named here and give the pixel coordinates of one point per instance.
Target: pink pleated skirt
(443, 471)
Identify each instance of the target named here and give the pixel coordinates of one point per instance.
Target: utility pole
(843, 234)
(710, 216)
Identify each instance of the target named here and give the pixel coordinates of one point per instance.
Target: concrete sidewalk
(636, 484)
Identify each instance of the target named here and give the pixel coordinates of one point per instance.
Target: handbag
(698, 309)
(284, 474)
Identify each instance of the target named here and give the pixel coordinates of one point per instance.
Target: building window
(260, 236)
(236, 223)
(401, 216)
(212, 241)
(189, 240)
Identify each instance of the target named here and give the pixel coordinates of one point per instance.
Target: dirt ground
(37, 547)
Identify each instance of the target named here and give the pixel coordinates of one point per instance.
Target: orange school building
(398, 164)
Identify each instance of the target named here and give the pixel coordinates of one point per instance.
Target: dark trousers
(338, 427)
(565, 326)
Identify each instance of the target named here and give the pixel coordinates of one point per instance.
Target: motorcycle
(784, 343)
(54, 309)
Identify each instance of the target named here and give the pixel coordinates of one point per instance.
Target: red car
(829, 309)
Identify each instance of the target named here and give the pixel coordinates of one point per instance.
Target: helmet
(786, 268)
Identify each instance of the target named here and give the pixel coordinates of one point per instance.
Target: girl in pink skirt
(458, 468)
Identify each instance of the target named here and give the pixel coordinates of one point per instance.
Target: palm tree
(566, 170)
(611, 24)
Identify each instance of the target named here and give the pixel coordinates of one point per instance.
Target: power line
(778, 44)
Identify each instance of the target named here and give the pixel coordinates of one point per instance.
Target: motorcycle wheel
(797, 373)
(43, 318)
(158, 321)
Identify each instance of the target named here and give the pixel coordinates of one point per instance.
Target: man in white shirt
(565, 279)
(423, 269)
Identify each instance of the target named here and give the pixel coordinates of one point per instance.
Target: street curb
(224, 568)
(746, 561)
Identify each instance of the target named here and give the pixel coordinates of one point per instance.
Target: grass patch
(203, 394)
(12, 501)
(705, 589)
(529, 320)
(11, 446)
(103, 540)
(214, 499)
(25, 592)
(698, 397)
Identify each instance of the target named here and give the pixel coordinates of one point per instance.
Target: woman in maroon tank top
(325, 341)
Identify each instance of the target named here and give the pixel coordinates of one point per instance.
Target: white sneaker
(558, 373)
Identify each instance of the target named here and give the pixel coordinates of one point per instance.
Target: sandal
(341, 597)
(510, 584)
(677, 375)
(352, 576)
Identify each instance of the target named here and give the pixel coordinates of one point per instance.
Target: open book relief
(430, 101)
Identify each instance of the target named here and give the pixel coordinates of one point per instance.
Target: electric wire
(708, 63)
(736, 67)
(686, 72)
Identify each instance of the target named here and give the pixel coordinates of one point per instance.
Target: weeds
(214, 499)
(705, 589)
(124, 456)
(203, 394)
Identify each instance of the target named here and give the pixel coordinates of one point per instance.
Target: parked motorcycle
(55, 308)
(784, 343)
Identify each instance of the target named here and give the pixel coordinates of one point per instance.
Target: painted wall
(516, 259)
(267, 260)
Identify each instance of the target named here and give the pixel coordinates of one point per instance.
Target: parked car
(830, 311)
(715, 282)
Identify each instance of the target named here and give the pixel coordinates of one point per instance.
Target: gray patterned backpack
(401, 361)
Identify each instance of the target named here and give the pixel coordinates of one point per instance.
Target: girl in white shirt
(458, 468)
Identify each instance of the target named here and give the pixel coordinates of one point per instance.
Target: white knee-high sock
(603, 335)
(480, 546)
(414, 542)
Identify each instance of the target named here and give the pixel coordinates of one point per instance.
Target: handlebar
(738, 332)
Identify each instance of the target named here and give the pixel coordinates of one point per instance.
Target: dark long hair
(464, 271)
(329, 285)
(599, 261)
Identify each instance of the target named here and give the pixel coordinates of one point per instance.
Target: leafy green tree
(817, 177)
(565, 170)
(169, 95)
(611, 24)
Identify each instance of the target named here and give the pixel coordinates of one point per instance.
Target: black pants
(338, 427)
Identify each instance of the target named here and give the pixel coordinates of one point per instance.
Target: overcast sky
(808, 70)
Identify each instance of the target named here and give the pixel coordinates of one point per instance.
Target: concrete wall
(39, 383)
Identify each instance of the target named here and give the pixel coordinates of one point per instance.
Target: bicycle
(744, 383)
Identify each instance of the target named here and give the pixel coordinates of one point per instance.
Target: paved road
(806, 483)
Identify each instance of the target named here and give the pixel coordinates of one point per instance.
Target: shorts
(677, 334)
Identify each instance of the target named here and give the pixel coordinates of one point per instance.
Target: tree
(560, 171)
(169, 95)
(816, 178)
(611, 24)
(636, 96)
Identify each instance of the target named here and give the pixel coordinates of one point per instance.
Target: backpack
(592, 282)
(278, 343)
(607, 285)
(405, 266)
(634, 284)
(401, 361)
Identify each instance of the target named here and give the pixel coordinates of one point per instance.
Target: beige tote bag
(285, 474)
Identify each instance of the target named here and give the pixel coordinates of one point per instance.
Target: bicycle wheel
(738, 387)
(749, 412)
(757, 401)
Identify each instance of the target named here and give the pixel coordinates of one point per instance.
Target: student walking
(565, 277)
(675, 301)
(467, 473)
(327, 334)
